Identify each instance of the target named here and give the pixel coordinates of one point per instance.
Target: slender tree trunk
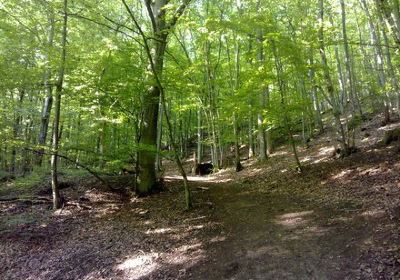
(378, 59)
(238, 165)
(159, 138)
(48, 100)
(282, 91)
(314, 94)
(348, 63)
(390, 67)
(391, 14)
(199, 157)
(251, 137)
(262, 139)
(264, 95)
(328, 80)
(57, 111)
(16, 132)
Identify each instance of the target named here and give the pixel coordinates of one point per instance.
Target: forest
(200, 139)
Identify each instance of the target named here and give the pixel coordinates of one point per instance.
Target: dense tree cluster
(106, 83)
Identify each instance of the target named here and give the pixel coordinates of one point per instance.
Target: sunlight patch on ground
(371, 171)
(186, 255)
(197, 227)
(195, 219)
(62, 212)
(138, 266)
(323, 155)
(107, 209)
(296, 214)
(373, 213)
(293, 220)
(159, 230)
(256, 170)
(388, 127)
(97, 196)
(325, 151)
(341, 174)
(323, 159)
(279, 153)
(365, 140)
(213, 179)
(217, 239)
(314, 231)
(306, 159)
(339, 219)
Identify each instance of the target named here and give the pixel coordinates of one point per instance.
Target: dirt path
(338, 220)
(281, 237)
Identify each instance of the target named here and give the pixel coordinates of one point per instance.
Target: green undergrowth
(28, 185)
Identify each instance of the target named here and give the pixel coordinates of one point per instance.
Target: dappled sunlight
(293, 220)
(209, 178)
(193, 228)
(159, 231)
(144, 264)
(255, 171)
(323, 154)
(389, 127)
(186, 255)
(341, 219)
(366, 139)
(62, 212)
(107, 209)
(322, 159)
(314, 231)
(95, 195)
(376, 213)
(138, 266)
(195, 219)
(296, 214)
(279, 153)
(371, 171)
(341, 174)
(217, 239)
(325, 151)
(306, 159)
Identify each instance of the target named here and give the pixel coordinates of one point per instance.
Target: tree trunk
(48, 100)
(329, 85)
(314, 94)
(378, 59)
(159, 138)
(16, 132)
(57, 111)
(199, 157)
(148, 131)
(390, 67)
(348, 63)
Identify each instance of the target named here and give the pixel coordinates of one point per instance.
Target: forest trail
(337, 220)
(283, 236)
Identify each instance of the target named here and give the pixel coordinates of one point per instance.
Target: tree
(57, 111)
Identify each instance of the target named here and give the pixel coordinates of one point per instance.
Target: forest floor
(339, 219)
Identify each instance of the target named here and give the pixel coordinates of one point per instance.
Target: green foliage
(221, 62)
